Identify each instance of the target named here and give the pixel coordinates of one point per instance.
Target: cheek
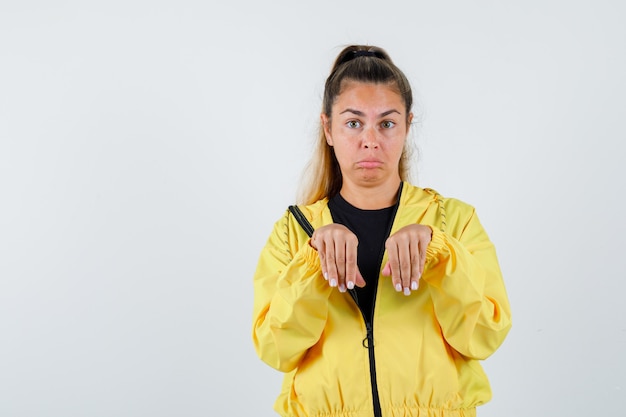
(396, 146)
(344, 151)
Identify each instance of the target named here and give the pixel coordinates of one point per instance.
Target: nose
(370, 138)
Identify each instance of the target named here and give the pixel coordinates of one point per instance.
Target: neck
(373, 198)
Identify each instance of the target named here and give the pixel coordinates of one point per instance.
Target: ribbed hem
(397, 412)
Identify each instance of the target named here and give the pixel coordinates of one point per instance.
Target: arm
(290, 299)
(467, 289)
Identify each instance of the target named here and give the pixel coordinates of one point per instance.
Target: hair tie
(364, 53)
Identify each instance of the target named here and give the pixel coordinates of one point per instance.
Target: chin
(371, 179)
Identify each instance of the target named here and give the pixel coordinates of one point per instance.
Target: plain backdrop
(147, 147)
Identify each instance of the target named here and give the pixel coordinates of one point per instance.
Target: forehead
(373, 96)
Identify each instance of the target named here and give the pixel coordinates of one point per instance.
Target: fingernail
(407, 291)
(342, 288)
(350, 285)
(398, 287)
(414, 285)
(333, 282)
(326, 276)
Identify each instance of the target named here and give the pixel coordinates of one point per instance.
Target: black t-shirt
(371, 228)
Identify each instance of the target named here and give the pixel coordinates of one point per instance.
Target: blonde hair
(361, 63)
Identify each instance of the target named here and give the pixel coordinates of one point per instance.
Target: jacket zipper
(368, 343)
(370, 348)
(369, 324)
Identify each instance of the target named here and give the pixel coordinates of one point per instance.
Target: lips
(369, 163)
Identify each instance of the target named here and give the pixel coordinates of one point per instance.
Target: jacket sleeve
(466, 287)
(290, 299)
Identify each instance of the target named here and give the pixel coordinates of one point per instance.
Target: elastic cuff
(436, 245)
(311, 257)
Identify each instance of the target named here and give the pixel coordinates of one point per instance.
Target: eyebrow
(360, 113)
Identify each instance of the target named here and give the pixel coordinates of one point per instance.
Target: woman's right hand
(337, 249)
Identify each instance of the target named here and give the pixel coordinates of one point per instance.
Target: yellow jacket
(426, 346)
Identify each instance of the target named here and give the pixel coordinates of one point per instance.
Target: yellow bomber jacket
(426, 346)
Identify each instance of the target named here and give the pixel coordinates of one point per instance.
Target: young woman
(387, 308)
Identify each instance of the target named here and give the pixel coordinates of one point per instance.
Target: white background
(146, 149)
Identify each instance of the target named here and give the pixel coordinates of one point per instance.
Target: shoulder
(316, 213)
(288, 230)
(447, 213)
(412, 194)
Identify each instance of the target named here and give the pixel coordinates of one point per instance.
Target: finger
(351, 264)
(331, 265)
(394, 266)
(422, 257)
(405, 264)
(387, 269)
(360, 282)
(340, 264)
(416, 265)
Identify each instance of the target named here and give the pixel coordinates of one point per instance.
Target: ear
(326, 126)
(409, 120)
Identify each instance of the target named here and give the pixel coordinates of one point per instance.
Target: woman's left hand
(407, 255)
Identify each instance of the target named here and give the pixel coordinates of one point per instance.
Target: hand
(407, 255)
(337, 249)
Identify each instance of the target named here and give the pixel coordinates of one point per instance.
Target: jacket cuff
(311, 257)
(436, 246)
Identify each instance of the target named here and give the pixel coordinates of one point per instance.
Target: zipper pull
(369, 337)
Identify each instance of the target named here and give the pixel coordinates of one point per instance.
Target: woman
(389, 305)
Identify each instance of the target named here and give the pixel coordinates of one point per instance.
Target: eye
(387, 124)
(353, 124)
